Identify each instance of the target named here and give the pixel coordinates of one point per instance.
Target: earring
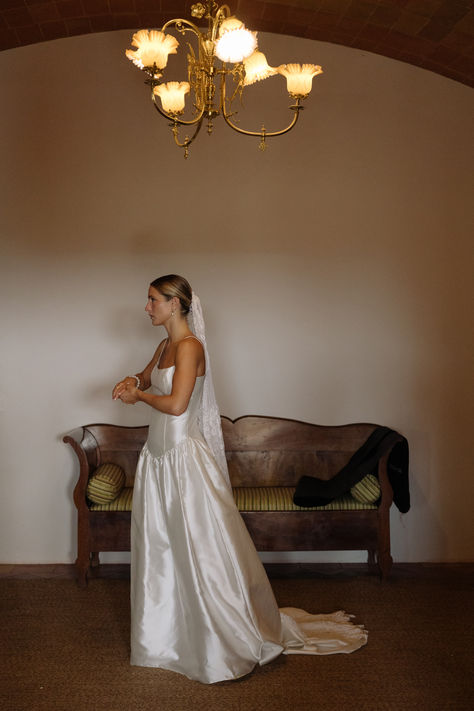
(172, 313)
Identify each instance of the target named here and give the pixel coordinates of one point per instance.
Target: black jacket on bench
(311, 491)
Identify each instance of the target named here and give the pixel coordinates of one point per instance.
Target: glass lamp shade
(234, 45)
(230, 23)
(299, 78)
(172, 95)
(256, 68)
(153, 47)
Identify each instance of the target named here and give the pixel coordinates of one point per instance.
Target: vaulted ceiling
(434, 34)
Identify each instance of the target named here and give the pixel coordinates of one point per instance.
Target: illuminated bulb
(299, 78)
(235, 43)
(256, 68)
(153, 47)
(172, 95)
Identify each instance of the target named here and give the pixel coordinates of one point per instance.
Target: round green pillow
(367, 490)
(105, 484)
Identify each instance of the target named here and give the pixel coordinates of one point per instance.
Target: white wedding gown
(201, 602)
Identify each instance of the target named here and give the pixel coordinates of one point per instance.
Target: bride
(201, 603)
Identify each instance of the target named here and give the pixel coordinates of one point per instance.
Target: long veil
(209, 416)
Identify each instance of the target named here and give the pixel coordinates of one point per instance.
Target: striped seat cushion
(123, 502)
(105, 484)
(252, 498)
(367, 491)
(280, 498)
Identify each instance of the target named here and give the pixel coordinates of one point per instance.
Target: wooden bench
(261, 452)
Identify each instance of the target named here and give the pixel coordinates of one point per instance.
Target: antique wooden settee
(266, 457)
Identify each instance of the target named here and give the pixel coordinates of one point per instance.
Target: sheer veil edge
(209, 416)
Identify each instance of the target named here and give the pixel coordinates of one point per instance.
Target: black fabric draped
(311, 491)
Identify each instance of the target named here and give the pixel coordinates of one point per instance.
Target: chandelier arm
(262, 133)
(175, 119)
(187, 141)
(191, 27)
(221, 14)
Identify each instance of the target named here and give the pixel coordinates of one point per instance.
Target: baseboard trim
(122, 570)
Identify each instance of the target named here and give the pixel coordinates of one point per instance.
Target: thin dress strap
(161, 353)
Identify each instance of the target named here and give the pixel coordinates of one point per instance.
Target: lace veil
(209, 416)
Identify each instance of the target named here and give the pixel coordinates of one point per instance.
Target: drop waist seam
(187, 439)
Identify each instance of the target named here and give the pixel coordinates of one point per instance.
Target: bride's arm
(189, 356)
(144, 377)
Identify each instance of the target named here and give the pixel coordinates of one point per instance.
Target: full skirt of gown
(201, 602)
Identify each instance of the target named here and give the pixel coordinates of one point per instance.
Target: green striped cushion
(123, 502)
(105, 484)
(252, 498)
(367, 491)
(280, 498)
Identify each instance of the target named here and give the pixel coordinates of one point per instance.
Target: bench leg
(384, 558)
(83, 559)
(95, 562)
(385, 561)
(372, 560)
(82, 571)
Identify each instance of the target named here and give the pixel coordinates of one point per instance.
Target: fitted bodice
(167, 431)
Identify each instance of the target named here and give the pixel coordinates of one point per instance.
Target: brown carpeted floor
(67, 649)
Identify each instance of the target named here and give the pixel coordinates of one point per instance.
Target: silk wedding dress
(201, 602)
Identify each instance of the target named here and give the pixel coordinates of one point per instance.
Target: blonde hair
(173, 285)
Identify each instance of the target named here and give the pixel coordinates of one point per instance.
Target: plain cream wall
(335, 269)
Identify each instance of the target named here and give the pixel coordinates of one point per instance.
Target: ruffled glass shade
(299, 78)
(153, 47)
(172, 95)
(256, 68)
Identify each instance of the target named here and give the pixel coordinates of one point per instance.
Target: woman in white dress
(201, 603)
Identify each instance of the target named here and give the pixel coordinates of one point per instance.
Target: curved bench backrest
(272, 451)
(263, 451)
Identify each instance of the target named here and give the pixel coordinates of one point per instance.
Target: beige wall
(335, 269)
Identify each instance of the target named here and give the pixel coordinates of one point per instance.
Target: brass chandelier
(226, 39)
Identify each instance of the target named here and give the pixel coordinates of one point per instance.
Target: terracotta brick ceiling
(434, 34)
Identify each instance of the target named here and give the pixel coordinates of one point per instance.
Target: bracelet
(137, 379)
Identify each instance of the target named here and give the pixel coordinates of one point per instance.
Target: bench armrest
(86, 449)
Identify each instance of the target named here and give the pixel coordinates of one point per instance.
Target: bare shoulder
(190, 345)
(190, 350)
(190, 354)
